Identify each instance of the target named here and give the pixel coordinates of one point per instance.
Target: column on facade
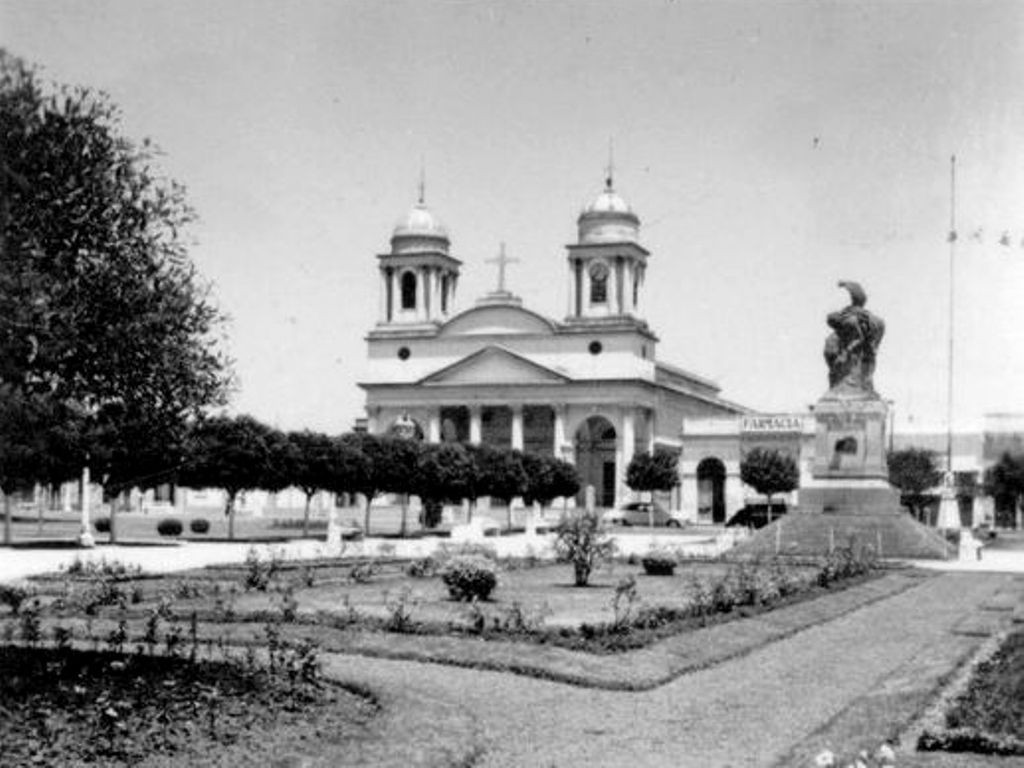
(735, 495)
(517, 427)
(383, 312)
(572, 288)
(584, 289)
(688, 495)
(620, 307)
(425, 281)
(559, 431)
(624, 450)
(392, 287)
(475, 424)
(434, 426)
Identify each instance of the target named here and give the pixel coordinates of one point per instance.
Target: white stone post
(434, 427)
(85, 538)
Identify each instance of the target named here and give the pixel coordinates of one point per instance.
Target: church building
(588, 388)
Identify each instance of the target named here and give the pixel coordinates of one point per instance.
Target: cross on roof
(502, 259)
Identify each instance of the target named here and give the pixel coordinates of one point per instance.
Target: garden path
(749, 711)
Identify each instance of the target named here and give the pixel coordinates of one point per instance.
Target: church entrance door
(595, 460)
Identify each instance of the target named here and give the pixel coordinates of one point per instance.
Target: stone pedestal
(849, 474)
(850, 439)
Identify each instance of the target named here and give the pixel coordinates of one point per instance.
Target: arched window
(408, 290)
(599, 284)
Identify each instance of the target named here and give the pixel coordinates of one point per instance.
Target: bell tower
(418, 276)
(607, 264)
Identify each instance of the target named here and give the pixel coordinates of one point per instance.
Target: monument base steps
(892, 533)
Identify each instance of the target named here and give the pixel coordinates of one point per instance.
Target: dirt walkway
(747, 712)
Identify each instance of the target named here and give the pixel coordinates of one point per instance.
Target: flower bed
(65, 706)
(988, 717)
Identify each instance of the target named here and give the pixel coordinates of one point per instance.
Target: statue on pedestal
(852, 347)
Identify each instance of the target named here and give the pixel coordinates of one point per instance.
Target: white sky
(770, 150)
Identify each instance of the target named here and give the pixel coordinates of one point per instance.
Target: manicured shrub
(101, 524)
(169, 526)
(659, 563)
(470, 577)
(199, 525)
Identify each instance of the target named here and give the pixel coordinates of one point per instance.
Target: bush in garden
(169, 527)
(659, 563)
(13, 595)
(583, 541)
(101, 524)
(199, 525)
(258, 573)
(470, 577)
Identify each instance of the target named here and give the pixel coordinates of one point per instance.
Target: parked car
(640, 513)
(755, 515)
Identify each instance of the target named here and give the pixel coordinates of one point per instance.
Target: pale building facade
(713, 448)
(588, 388)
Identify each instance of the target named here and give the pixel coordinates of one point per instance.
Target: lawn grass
(919, 697)
(682, 648)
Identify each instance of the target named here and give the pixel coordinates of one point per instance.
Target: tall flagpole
(952, 260)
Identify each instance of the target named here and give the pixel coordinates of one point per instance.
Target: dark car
(755, 516)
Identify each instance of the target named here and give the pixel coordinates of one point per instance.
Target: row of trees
(915, 472)
(239, 453)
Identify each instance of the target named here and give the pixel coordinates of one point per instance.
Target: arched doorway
(595, 460)
(711, 489)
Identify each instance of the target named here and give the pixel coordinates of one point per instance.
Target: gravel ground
(745, 712)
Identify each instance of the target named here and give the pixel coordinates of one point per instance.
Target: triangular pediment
(494, 365)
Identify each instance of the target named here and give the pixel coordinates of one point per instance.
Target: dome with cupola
(419, 230)
(609, 219)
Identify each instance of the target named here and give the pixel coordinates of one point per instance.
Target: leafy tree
(101, 311)
(914, 472)
(391, 467)
(1004, 481)
(502, 475)
(583, 541)
(548, 478)
(402, 455)
(653, 472)
(349, 467)
(445, 472)
(232, 453)
(307, 460)
(768, 472)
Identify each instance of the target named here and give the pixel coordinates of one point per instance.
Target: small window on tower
(408, 291)
(599, 284)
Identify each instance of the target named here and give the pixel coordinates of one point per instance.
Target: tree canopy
(233, 453)
(1004, 481)
(914, 472)
(548, 478)
(101, 311)
(769, 471)
(653, 472)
